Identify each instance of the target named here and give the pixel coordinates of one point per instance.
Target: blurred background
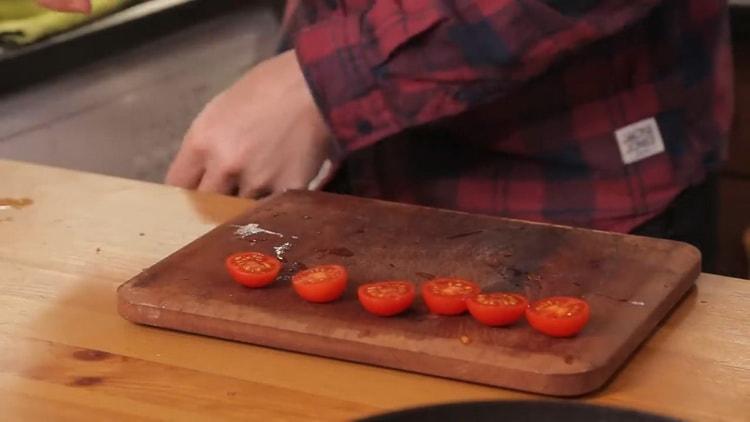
(115, 93)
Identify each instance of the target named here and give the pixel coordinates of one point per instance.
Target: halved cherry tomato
(447, 296)
(386, 298)
(324, 283)
(558, 316)
(253, 269)
(497, 309)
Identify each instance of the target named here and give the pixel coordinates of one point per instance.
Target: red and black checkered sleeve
(378, 70)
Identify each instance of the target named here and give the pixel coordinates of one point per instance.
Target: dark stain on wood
(515, 272)
(91, 355)
(611, 297)
(426, 276)
(86, 381)
(291, 269)
(466, 234)
(596, 263)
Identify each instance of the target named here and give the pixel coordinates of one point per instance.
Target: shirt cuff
(341, 78)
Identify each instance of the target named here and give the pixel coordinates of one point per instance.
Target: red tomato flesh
(558, 316)
(253, 269)
(447, 296)
(321, 284)
(497, 309)
(386, 298)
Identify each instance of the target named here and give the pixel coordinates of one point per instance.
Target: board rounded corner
(126, 309)
(579, 384)
(690, 252)
(587, 378)
(124, 291)
(127, 306)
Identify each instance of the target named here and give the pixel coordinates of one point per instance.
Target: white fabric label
(639, 140)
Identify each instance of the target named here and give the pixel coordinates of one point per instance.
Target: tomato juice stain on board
(291, 269)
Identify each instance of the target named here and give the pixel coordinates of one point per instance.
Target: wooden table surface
(66, 354)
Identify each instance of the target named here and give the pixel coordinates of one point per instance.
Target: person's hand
(263, 135)
(80, 6)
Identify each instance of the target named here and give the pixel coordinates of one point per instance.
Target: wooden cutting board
(630, 282)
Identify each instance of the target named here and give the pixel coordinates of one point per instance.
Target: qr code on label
(639, 140)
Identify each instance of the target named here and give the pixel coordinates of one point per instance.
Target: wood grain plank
(56, 288)
(105, 380)
(38, 404)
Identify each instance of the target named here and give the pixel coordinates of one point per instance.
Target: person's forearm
(404, 64)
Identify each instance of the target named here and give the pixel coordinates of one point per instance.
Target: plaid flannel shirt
(522, 108)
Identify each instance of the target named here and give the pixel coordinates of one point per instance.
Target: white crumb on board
(251, 229)
(637, 303)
